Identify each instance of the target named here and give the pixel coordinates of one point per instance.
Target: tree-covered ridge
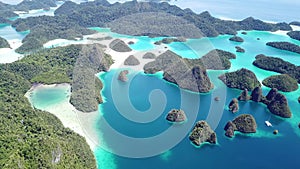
(46, 28)
(66, 65)
(282, 82)
(4, 43)
(285, 46)
(27, 5)
(71, 21)
(99, 13)
(277, 65)
(294, 35)
(30, 138)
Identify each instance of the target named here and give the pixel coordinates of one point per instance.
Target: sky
(276, 10)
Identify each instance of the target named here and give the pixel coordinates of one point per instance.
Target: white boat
(268, 123)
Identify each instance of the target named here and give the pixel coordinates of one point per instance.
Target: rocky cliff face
(202, 133)
(256, 94)
(234, 105)
(244, 96)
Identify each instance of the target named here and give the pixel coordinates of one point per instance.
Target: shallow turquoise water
(256, 150)
(260, 148)
(43, 97)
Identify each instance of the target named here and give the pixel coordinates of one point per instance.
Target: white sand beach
(79, 122)
(8, 55)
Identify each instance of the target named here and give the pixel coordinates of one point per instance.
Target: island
(239, 49)
(4, 43)
(294, 35)
(277, 65)
(244, 123)
(46, 28)
(188, 74)
(176, 115)
(240, 79)
(131, 61)
(170, 22)
(236, 39)
(123, 76)
(234, 105)
(169, 40)
(119, 46)
(282, 82)
(202, 133)
(149, 55)
(288, 46)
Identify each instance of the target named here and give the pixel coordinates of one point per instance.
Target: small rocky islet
(119, 46)
(236, 39)
(234, 105)
(202, 133)
(131, 61)
(239, 49)
(176, 115)
(123, 76)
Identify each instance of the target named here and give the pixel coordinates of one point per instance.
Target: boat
(268, 123)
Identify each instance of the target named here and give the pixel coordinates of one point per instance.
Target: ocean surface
(122, 135)
(132, 127)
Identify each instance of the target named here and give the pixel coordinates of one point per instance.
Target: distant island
(294, 35)
(136, 19)
(285, 46)
(239, 49)
(277, 65)
(236, 39)
(46, 28)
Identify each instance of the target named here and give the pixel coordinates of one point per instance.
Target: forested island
(282, 82)
(285, 46)
(277, 65)
(190, 74)
(240, 79)
(294, 35)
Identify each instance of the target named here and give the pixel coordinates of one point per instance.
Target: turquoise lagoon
(259, 150)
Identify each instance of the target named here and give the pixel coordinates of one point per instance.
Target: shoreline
(77, 121)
